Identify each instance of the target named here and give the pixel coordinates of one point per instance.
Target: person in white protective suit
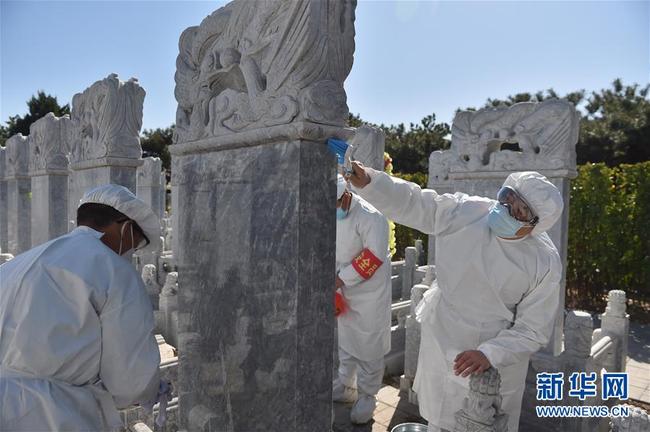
(363, 276)
(497, 289)
(76, 324)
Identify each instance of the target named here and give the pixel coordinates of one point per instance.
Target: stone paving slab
(638, 362)
(391, 410)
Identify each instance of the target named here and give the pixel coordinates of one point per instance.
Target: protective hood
(542, 195)
(124, 201)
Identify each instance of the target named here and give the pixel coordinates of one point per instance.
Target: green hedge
(609, 236)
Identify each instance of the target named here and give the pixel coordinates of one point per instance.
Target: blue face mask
(501, 223)
(340, 213)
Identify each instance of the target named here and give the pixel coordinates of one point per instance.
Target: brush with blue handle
(343, 152)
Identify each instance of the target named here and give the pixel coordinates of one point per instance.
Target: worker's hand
(471, 362)
(339, 282)
(359, 177)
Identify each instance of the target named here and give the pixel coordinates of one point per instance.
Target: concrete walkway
(390, 411)
(638, 362)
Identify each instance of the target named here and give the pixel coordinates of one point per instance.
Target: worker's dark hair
(97, 215)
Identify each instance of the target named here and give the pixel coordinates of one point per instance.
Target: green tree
(4, 134)
(39, 105)
(410, 148)
(616, 128)
(156, 142)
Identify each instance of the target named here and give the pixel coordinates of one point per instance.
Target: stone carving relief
(106, 120)
(48, 143)
(369, 144)
(256, 64)
(616, 304)
(17, 156)
(481, 410)
(545, 134)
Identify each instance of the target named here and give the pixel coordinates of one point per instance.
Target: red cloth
(340, 306)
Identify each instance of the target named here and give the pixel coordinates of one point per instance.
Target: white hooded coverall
(494, 295)
(364, 329)
(76, 337)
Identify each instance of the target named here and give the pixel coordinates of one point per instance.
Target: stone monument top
(286, 65)
(106, 120)
(545, 134)
(48, 144)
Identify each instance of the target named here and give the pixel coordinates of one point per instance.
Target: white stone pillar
(149, 184)
(3, 202)
(105, 139)
(481, 410)
(168, 306)
(408, 271)
(615, 322)
(48, 166)
(19, 196)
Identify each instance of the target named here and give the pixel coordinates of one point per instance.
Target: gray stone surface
(49, 207)
(3, 203)
(48, 167)
(256, 297)
(253, 210)
(19, 196)
(149, 184)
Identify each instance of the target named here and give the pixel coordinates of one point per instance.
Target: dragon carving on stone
(251, 65)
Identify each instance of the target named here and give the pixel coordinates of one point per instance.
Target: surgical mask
(501, 223)
(341, 214)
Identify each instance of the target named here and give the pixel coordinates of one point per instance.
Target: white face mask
(128, 254)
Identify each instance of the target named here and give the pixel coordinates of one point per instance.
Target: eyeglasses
(145, 240)
(517, 206)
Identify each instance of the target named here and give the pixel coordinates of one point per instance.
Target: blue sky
(412, 58)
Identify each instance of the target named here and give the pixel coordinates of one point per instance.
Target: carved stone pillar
(481, 410)
(615, 322)
(19, 195)
(105, 141)
(48, 166)
(254, 225)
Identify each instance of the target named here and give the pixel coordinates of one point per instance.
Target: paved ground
(390, 411)
(638, 362)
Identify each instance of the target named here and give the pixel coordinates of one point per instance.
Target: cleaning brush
(343, 152)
